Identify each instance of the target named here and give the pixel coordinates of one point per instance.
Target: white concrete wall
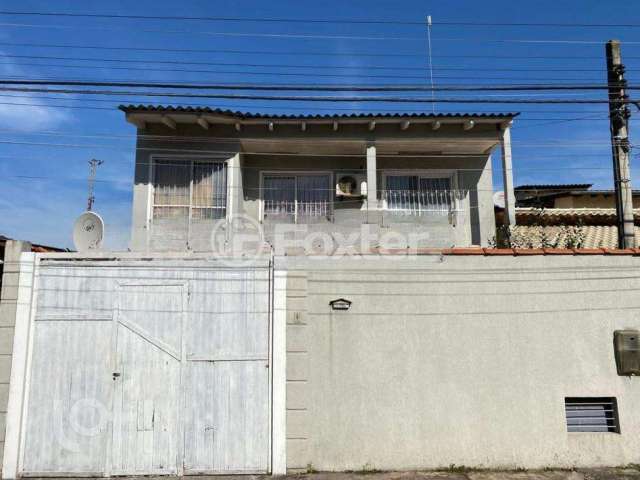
(461, 360)
(9, 305)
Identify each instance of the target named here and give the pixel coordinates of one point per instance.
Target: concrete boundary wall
(16, 274)
(457, 360)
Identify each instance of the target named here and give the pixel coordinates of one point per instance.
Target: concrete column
(372, 178)
(279, 372)
(8, 308)
(507, 177)
(234, 185)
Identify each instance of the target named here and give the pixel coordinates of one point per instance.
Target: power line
(355, 73)
(205, 139)
(211, 18)
(116, 101)
(319, 140)
(115, 110)
(305, 36)
(354, 156)
(423, 68)
(309, 98)
(320, 21)
(305, 53)
(452, 80)
(310, 87)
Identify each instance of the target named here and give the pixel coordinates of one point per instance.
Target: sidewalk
(629, 473)
(578, 474)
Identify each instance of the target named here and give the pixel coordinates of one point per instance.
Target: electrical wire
(313, 87)
(300, 35)
(308, 98)
(425, 68)
(304, 53)
(319, 21)
(117, 101)
(304, 36)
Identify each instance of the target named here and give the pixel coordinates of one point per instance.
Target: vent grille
(592, 414)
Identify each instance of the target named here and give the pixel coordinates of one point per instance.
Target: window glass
(416, 194)
(183, 185)
(297, 196)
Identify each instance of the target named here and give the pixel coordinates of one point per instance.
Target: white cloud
(24, 112)
(30, 118)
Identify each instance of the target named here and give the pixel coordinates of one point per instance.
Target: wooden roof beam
(203, 122)
(168, 121)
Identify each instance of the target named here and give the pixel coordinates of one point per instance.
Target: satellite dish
(498, 199)
(88, 232)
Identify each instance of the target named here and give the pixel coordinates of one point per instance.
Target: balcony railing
(401, 202)
(423, 202)
(297, 212)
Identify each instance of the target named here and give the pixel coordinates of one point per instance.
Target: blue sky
(46, 141)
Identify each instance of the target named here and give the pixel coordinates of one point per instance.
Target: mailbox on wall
(626, 344)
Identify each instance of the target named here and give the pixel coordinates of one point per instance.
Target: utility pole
(620, 148)
(93, 165)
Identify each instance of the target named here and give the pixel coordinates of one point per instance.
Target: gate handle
(116, 375)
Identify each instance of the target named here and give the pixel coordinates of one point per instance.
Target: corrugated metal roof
(558, 186)
(308, 116)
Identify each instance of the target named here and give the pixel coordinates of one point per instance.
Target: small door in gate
(147, 381)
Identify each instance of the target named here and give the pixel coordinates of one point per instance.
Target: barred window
(415, 193)
(195, 189)
(297, 198)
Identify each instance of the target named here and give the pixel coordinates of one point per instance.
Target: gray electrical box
(627, 348)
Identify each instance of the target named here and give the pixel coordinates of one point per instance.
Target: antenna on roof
(93, 165)
(433, 93)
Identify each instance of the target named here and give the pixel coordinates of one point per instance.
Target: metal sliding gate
(148, 368)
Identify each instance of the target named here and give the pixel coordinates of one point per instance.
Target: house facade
(227, 342)
(427, 175)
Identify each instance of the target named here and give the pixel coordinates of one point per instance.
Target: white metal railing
(298, 210)
(421, 202)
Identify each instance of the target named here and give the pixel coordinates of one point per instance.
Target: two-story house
(398, 174)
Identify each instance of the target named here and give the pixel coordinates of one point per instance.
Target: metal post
(619, 120)
(93, 165)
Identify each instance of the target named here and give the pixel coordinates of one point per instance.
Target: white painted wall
(457, 360)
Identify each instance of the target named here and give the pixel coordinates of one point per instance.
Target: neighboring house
(553, 213)
(591, 227)
(567, 196)
(187, 355)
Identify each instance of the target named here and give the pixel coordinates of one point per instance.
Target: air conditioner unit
(351, 185)
(627, 351)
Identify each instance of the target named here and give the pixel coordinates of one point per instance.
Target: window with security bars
(417, 194)
(297, 198)
(195, 189)
(592, 414)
